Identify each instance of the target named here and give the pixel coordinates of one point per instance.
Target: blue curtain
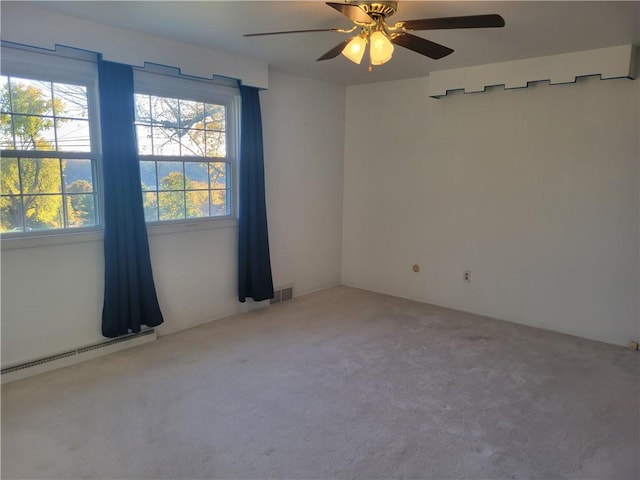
(129, 294)
(254, 265)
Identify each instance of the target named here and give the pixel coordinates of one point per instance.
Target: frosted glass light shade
(354, 50)
(381, 48)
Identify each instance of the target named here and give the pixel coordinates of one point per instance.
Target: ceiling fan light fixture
(354, 50)
(370, 16)
(381, 48)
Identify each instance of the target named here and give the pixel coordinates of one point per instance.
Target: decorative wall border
(27, 24)
(612, 62)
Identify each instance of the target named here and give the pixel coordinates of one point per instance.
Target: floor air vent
(64, 359)
(282, 295)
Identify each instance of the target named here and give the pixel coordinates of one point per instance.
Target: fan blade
(353, 12)
(290, 31)
(469, 21)
(421, 45)
(335, 51)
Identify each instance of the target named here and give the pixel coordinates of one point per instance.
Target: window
(48, 161)
(185, 134)
(50, 146)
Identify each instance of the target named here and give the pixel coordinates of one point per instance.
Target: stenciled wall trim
(612, 62)
(27, 24)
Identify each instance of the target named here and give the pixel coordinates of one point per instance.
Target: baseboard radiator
(70, 357)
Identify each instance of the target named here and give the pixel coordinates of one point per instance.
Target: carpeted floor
(341, 384)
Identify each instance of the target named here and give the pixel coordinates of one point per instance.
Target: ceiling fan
(369, 19)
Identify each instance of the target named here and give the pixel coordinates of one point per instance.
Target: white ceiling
(532, 29)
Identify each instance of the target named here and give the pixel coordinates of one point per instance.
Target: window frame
(77, 66)
(164, 81)
(71, 66)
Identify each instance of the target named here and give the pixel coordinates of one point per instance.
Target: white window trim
(97, 233)
(167, 82)
(191, 225)
(63, 65)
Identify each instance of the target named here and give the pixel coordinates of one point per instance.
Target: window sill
(47, 240)
(97, 235)
(182, 226)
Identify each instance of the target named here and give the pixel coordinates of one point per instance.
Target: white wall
(52, 296)
(534, 190)
(51, 299)
(303, 123)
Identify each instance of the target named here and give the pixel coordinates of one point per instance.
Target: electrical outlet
(466, 276)
(633, 345)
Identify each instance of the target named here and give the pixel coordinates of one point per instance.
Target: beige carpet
(342, 384)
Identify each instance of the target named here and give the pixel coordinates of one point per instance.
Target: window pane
(164, 111)
(40, 175)
(6, 132)
(216, 144)
(78, 176)
(148, 175)
(191, 114)
(143, 108)
(192, 143)
(196, 175)
(144, 138)
(150, 202)
(215, 119)
(32, 97)
(171, 175)
(70, 101)
(218, 174)
(32, 125)
(219, 203)
(165, 141)
(81, 210)
(5, 105)
(10, 176)
(11, 213)
(43, 212)
(73, 135)
(6, 129)
(197, 203)
(171, 205)
(34, 133)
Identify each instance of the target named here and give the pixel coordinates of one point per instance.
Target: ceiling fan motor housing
(382, 9)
